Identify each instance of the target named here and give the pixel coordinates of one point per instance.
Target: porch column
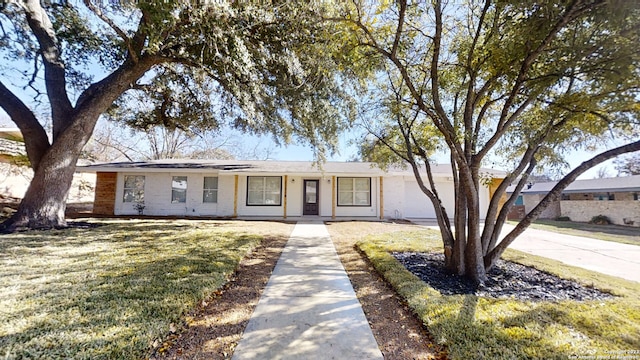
(284, 215)
(235, 197)
(333, 197)
(381, 200)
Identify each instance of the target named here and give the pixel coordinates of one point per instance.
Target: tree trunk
(457, 263)
(44, 203)
(474, 262)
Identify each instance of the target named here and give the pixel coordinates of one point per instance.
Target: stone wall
(551, 212)
(619, 212)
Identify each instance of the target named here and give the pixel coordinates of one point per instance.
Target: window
(354, 191)
(519, 200)
(179, 189)
(210, 190)
(133, 188)
(603, 196)
(264, 190)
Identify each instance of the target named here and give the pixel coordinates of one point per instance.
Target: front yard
(117, 288)
(475, 327)
(114, 289)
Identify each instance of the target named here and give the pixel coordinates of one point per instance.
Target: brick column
(105, 193)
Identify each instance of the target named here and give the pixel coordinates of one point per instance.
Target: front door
(310, 197)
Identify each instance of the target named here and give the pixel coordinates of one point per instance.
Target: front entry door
(310, 197)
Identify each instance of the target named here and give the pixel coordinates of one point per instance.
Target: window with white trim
(354, 191)
(133, 189)
(264, 190)
(210, 190)
(179, 189)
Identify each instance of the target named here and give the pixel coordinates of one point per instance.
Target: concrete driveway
(607, 257)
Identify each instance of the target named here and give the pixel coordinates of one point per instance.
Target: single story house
(617, 198)
(272, 189)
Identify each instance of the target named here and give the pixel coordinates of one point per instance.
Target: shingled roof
(268, 166)
(616, 184)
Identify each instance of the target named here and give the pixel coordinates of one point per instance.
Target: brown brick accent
(105, 193)
(517, 212)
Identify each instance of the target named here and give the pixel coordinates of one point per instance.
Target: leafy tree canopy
(266, 67)
(263, 68)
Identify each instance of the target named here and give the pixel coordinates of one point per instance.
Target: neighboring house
(277, 189)
(617, 198)
(15, 174)
(14, 179)
(11, 144)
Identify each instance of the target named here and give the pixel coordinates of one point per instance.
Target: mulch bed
(506, 280)
(214, 328)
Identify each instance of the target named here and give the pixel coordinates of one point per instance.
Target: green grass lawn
(616, 233)
(111, 291)
(482, 328)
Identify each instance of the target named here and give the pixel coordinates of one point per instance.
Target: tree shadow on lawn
(474, 327)
(469, 338)
(541, 330)
(118, 310)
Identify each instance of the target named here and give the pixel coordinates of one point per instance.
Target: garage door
(418, 205)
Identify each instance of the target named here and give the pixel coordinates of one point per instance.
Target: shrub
(600, 220)
(563, 218)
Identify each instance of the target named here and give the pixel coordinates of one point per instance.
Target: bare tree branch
(35, 137)
(54, 67)
(555, 193)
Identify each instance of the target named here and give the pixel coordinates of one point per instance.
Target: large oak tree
(522, 80)
(259, 66)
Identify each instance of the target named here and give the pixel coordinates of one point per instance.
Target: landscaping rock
(506, 280)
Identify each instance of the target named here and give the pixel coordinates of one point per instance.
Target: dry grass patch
(112, 291)
(476, 327)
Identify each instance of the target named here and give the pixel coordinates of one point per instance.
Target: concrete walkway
(308, 309)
